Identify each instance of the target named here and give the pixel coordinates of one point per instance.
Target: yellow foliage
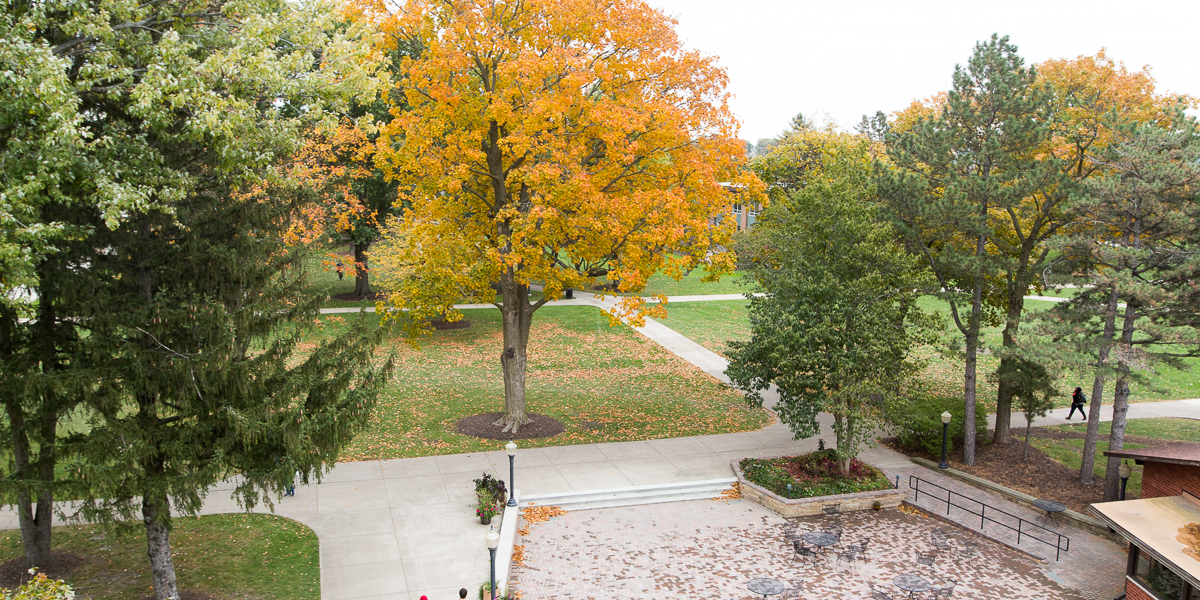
(562, 142)
(1092, 95)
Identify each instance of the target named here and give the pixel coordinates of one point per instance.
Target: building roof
(1180, 454)
(1153, 524)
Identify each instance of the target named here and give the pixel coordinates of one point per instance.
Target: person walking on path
(1077, 402)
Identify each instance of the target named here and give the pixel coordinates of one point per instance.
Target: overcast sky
(850, 58)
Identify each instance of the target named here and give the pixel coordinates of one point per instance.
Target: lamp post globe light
(512, 489)
(493, 539)
(945, 436)
(1125, 471)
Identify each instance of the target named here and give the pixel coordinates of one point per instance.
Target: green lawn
(1070, 452)
(323, 279)
(710, 324)
(691, 285)
(1176, 430)
(264, 557)
(604, 383)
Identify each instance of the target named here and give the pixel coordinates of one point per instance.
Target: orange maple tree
(332, 165)
(556, 142)
(1092, 96)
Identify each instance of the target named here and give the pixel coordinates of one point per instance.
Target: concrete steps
(630, 496)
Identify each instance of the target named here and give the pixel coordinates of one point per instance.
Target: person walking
(1077, 402)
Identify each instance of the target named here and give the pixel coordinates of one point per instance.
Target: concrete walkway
(1177, 409)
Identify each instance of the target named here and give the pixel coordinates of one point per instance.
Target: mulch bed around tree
(188, 595)
(1040, 476)
(351, 297)
(13, 572)
(441, 325)
(483, 426)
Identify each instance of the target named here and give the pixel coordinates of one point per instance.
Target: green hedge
(918, 422)
(812, 475)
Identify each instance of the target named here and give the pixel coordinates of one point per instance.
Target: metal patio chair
(944, 590)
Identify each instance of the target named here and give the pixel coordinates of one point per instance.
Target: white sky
(845, 59)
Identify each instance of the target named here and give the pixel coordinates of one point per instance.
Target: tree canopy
(839, 318)
(558, 142)
(134, 158)
(949, 176)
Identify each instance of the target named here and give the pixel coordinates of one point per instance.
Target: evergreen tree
(199, 325)
(123, 115)
(947, 176)
(1032, 386)
(1140, 248)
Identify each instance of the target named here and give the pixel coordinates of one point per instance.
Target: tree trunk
(972, 358)
(1116, 437)
(1087, 471)
(37, 471)
(843, 429)
(1004, 390)
(517, 314)
(156, 513)
(156, 508)
(1028, 429)
(362, 282)
(35, 521)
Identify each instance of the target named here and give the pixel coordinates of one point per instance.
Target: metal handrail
(1022, 525)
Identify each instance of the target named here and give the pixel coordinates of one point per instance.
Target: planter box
(803, 507)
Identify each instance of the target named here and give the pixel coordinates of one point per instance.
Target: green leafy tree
(947, 178)
(142, 112)
(40, 136)
(839, 319)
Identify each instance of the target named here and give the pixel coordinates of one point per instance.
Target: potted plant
(490, 495)
(493, 486)
(485, 507)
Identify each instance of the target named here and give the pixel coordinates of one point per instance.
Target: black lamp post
(1125, 471)
(945, 438)
(512, 489)
(493, 539)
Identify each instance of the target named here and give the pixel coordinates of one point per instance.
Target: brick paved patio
(1094, 565)
(710, 549)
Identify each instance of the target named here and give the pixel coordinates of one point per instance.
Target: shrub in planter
(814, 474)
(917, 423)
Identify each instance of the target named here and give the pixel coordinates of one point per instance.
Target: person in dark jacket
(1077, 402)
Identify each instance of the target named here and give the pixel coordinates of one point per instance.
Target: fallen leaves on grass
(625, 386)
(538, 514)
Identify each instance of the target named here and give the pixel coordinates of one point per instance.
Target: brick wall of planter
(802, 507)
